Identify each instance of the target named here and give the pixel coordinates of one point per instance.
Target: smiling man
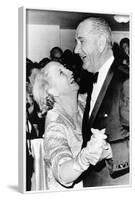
(94, 45)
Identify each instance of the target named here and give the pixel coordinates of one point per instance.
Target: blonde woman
(56, 92)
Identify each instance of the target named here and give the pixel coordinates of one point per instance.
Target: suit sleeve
(124, 105)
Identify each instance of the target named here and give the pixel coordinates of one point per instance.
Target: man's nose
(76, 50)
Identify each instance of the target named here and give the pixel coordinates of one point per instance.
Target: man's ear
(101, 43)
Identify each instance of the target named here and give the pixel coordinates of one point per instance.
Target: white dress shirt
(98, 85)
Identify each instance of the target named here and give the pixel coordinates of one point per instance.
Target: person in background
(103, 110)
(67, 57)
(116, 51)
(124, 48)
(56, 54)
(43, 62)
(33, 73)
(34, 124)
(56, 92)
(31, 105)
(29, 110)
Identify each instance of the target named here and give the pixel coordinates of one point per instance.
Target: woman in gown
(56, 92)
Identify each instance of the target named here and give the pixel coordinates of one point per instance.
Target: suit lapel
(101, 95)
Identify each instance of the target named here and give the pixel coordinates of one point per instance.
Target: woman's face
(125, 48)
(60, 79)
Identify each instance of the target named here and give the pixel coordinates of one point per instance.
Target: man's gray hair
(100, 26)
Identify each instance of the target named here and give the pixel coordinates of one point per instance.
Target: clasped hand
(97, 148)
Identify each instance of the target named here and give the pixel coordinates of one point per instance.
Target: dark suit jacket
(106, 114)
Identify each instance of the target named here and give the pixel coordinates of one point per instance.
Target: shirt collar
(106, 66)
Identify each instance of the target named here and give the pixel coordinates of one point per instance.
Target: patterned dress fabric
(62, 141)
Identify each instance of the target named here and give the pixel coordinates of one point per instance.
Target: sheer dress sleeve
(56, 148)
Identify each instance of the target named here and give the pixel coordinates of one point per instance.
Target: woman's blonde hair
(40, 92)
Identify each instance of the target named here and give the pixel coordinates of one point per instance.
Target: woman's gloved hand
(96, 150)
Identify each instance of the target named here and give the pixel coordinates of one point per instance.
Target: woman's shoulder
(56, 127)
(55, 120)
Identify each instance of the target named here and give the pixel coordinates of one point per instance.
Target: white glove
(107, 151)
(94, 150)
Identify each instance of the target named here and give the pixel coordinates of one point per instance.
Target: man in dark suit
(94, 45)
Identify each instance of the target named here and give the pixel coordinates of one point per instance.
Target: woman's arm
(96, 150)
(58, 153)
(66, 168)
(68, 173)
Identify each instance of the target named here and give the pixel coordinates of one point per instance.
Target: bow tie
(94, 77)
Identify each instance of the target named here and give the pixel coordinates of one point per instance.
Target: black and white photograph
(75, 108)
